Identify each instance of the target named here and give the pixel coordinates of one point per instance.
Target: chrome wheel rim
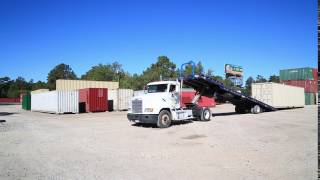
(206, 114)
(165, 119)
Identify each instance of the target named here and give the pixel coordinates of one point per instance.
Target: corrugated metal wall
(26, 101)
(95, 99)
(310, 86)
(297, 74)
(121, 98)
(63, 84)
(278, 95)
(113, 95)
(125, 96)
(56, 101)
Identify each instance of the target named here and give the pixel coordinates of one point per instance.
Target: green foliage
(217, 78)
(162, 68)
(260, 79)
(228, 83)
(247, 88)
(61, 71)
(12, 88)
(274, 78)
(197, 70)
(13, 91)
(5, 83)
(39, 85)
(249, 81)
(100, 72)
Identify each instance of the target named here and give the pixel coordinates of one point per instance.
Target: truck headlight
(148, 110)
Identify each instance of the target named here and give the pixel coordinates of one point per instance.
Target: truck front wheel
(164, 119)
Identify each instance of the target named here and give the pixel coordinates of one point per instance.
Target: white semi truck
(161, 104)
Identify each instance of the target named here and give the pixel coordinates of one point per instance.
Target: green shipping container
(26, 101)
(296, 74)
(310, 98)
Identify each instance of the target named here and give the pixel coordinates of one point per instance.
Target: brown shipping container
(310, 86)
(93, 100)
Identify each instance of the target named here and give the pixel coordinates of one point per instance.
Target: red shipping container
(95, 99)
(310, 86)
(315, 74)
(203, 101)
(9, 100)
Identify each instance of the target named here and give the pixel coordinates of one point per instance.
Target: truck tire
(205, 114)
(164, 119)
(256, 109)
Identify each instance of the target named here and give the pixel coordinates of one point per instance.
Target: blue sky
(262, 36)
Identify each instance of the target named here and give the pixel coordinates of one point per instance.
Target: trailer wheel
(256, 109)
(164, 119)
(205, 114)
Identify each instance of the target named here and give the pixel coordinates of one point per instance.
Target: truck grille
(137, 106)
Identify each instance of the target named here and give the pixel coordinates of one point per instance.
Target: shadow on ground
(224, 114)
(6, 113)
(174, 123)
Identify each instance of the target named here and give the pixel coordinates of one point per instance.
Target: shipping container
(310, 86)
(113, 95)
(121, 98)
(278, 95)
(203, 101)
(26, 101)
(124, 98)
(310, 98)
(9, 100)
(93, 100)
(315, 74)
(56, 102)
(63, 84)
(297, 74)
(39, 91)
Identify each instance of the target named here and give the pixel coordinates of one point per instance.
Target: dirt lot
(277, 145)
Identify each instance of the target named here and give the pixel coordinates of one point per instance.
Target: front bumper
(143, 118)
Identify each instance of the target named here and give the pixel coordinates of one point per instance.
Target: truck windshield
(157, 88)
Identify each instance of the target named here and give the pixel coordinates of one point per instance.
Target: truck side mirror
(145, 89)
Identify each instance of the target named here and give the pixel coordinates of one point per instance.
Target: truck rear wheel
(256, 109)
(164, 119)
(205, 114)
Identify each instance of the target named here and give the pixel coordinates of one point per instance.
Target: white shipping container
(125, 96)
(56, 102)
(113, 95)
(121, 98)
(278, 95)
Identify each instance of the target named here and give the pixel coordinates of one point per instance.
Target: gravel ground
(276, 145)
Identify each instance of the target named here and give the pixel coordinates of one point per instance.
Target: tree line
(163, 69)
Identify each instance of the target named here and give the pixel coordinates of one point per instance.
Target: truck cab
(160, 105)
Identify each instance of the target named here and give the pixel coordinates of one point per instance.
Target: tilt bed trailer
(161, 104)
